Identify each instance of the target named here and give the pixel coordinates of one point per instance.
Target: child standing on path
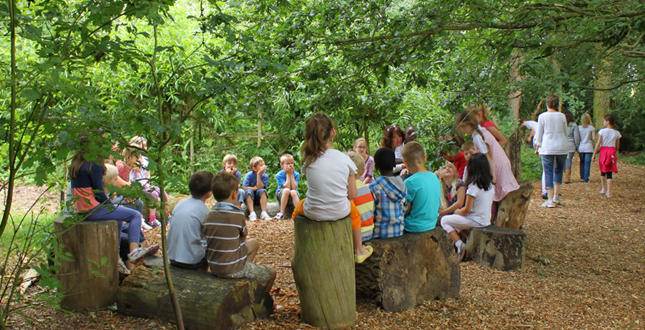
(360, 146)
(288, 179)
(608, 143)
(390, 193)
(255, 183)
(476, 213)
(585, 150)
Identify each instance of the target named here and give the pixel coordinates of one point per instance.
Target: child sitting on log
(288, 179)
(229, 164)
(390, 193)
(230, 253)
(476, 213)
(255, 187)
(362, 212)
(453, 188)
(423, 191)
(185, 249)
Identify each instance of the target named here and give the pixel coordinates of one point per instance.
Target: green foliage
(531, 164)
(635, 159)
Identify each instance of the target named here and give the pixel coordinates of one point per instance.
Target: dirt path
(589, 273)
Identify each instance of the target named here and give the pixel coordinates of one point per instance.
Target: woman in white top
(551, 143)
(608, 143)
(585, 149)
(573, 140)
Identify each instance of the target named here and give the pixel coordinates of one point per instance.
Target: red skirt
(608, 160)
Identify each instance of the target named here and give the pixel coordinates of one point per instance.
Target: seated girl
(453, 188)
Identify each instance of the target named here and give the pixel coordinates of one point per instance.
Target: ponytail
(318, 131)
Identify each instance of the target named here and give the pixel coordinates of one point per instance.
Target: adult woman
(552, 145)
(394, 138)
(573, 140)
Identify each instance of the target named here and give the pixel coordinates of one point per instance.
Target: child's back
(185, 233)
(424, 192)
(225, 230)
(364, 202)
(390, 205)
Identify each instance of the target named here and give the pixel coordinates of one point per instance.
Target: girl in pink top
(482, 114)
(608, 143)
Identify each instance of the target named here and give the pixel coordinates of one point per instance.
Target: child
(608, 143)
(363, 218)
(186, 232)
(423, 191)
(360, 146)
(476, 213)
(585, 150)
(468, 150)
(531, 126)
(256, 189)
(390, 203)
(230, 165)
(458, 160)
(453, 188)
(288, 179)
(230, 253)
(481, 113)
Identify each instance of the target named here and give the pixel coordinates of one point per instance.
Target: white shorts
(458, 222)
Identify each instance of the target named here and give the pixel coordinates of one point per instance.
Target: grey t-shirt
(186, 231)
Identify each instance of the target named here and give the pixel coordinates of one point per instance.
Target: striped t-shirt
(364, 202)
(225, 231)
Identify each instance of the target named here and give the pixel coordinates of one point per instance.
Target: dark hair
(384, 160)
(200, 184)
(523, 120)
(79, 157)
(479, 171)
(388, 136)
(570, 118)
(224, 184)
(553, 102)
(318, 130)
(610, 119)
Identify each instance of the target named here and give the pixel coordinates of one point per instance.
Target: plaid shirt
(390, 205)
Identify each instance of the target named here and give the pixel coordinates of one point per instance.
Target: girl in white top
(573, 140)
(585, 149)
(476, 212)
(331, 182)
(608, 143)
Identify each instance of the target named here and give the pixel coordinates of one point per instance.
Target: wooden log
(513, 148)
(323, 269)
(207, 302)
(512, 210)
(90, 281)
(405, 271)
(496, 247)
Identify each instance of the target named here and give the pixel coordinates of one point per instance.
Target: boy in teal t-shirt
(424, 191)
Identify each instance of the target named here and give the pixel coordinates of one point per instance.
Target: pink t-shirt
(488, 123)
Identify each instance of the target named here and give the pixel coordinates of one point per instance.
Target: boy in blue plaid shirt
(389, 197)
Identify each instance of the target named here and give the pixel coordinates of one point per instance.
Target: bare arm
(618, 144)
(498, 135)
(351, 187)
(461, 197)
(468, 207)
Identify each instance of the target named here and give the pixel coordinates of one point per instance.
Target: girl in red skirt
(608, 143)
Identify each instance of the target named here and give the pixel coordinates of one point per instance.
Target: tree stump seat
(405, 271)
(207, 302)
(496, 247)
(513, 209)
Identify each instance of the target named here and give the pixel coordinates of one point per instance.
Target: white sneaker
(557, 200)
(252, 216)
(145, 226)
(265, 216)
(140, 252)
(548, 204)
(122, 268)
(602, 191)
(279, 216)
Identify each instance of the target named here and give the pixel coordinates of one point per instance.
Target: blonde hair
(285, 158)
(110, 172)
(452, 184)
(359, 140)
(357, 159)
(467, 145)
(413, 153)
(318, 133)
(255, 161)
(586, 120)
(229, 158)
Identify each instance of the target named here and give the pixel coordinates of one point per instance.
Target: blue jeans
(120, 214)
(255, 195)
(585, 165)
(567, 165)
(553, 167)
(241, 195)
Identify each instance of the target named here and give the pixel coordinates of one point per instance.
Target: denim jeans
(585, 165)
(120, 214)
(553, 167)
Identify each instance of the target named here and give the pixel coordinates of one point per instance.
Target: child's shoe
(602, 191)
(545, 196)
(265, 216)
(155, 223)
(279, 216)
(557, 200)
(548, 204)
(252, 216)
(363, 257)
(145, 226)
(608, 195)
(122, 267)
(141, 252)
(461, 252)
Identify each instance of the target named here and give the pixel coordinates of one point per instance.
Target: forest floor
(584, 268)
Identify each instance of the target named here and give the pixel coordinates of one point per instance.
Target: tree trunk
(513, 150)
(207, 302)
(601, 99)
(323, 269)
(405, 271)
(89, 281)
(496, 247)
(512, 210)
(515, 97)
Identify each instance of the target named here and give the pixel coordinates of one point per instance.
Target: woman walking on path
(573, 140)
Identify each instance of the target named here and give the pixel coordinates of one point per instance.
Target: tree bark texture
(601, 99)
(512, 210)
(513, 148)
(323, 269)
(405, 271)
(88, 283)
(207, 302)
(496, 247)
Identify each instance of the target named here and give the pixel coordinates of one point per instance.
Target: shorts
(255, 195)
(255, 272)
(278, 194)
(200, 265)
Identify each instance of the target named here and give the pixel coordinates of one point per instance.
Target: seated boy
(186, 232)
(256, 189)
(230, 252)
(389, 193)
(363, 217)
(288, 179)
(230, 165)
(424, 191)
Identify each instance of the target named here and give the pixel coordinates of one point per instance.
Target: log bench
(207, 302)
(91, 279)
(512, 210)
(496, 247)
(405, 271)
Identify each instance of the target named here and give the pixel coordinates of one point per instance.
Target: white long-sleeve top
(551, 134)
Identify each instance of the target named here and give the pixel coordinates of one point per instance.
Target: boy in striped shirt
(230, 253)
